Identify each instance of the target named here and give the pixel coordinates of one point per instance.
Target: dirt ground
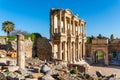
(105, 70)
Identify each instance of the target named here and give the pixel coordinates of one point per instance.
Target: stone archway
(103, 49)
(99, 57)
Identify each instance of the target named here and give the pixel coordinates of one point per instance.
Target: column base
(74, 61)
(80, 59)
(71, 62)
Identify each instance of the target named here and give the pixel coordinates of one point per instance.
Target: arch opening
(99, 57)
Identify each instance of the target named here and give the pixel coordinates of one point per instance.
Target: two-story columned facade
(68, 35)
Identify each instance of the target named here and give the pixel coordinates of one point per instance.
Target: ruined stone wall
(114, 41)
(114, 48)
(2, 41)
(100, 41)
(88, 50)
(28, 44)
(44, 49)
(41, 47)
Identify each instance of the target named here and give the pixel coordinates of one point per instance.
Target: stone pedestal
(20, 51)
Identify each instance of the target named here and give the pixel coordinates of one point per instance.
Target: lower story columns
(60, 50)
(80, 54)
(83, 51)
(65, 51)
(70, 51)
(73, 52)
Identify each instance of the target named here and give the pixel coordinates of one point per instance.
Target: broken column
(20, 51)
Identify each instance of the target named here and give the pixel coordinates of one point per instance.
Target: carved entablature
(82, 22)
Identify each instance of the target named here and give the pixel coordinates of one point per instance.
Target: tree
(8, 26)
(112, 36)
(89, 40)
(92, 37)
(99, 36)
(37, 35)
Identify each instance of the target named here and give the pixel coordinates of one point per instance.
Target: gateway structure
(68, 35)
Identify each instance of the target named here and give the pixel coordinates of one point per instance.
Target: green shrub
(11, 38)
(74, 71)
(3, 37)
(33, 36)
(7, 72)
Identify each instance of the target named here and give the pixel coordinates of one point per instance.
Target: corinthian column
(60, 50)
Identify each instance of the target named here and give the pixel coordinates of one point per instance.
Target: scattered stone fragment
(45, 68)
(21, 71)
(2, 76)
(31, 79)
(36, 75)
(13, 68)
(99, 74)
(52, 72)
(47, 77)
(37, 69)
(11, 63)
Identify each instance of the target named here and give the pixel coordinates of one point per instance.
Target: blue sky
(102, 16)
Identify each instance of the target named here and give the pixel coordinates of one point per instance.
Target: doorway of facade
(115, 58)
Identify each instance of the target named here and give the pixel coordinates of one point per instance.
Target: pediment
(68, 11)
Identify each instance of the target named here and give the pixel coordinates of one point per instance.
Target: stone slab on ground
(36, 75)
(52, 72)
(11, 63)
(13, 68)
(45, 68)
(31, 79)
(47, 77)
(37, 69)
(2, 76)
(0, 67)
(21, 71)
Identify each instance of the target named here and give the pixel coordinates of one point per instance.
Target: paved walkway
(105, 70)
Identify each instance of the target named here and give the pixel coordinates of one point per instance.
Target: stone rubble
(49, 71)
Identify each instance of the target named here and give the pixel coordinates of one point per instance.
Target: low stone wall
(3, 41)
(81, 68)
(28, 44)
